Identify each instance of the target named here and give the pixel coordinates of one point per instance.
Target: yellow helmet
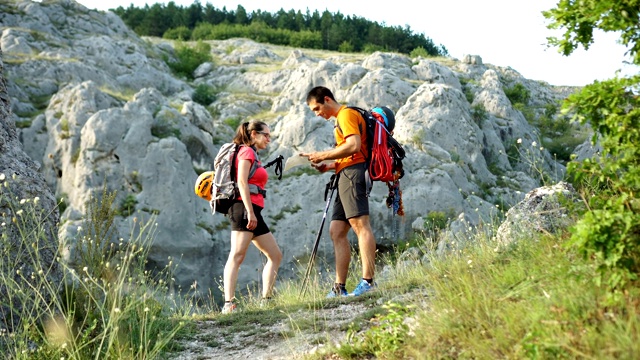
(203, 185)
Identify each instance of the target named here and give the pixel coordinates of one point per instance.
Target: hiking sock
(369, 281)
(339, 288)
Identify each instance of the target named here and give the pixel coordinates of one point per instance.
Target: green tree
(155, 23)
(609, 230)
(194, 14)
(212, 15)
(241, 16)
(282, 28)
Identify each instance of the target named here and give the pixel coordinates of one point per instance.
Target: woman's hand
(252, 220)
(322, 167)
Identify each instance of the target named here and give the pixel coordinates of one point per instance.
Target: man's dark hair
(318, 93)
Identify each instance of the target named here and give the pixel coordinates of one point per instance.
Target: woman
(247, 224)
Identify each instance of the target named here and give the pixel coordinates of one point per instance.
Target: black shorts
(352, 200)
(238, 217)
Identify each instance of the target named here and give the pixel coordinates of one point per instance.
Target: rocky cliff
(95, 104)
(27, 210)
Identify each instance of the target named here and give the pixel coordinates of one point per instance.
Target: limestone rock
(119, 117)
(540, 212)
(28, 226)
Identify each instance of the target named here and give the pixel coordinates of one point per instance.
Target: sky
(505, 33)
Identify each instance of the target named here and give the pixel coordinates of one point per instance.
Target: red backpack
(384, 153)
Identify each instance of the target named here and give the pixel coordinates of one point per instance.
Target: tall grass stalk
(107, 304)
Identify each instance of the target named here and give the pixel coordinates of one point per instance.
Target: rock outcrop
(28, 227)
(96, 105)
(541, 212)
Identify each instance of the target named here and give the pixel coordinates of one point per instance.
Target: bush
(609, 232)
(371, 48)
(436, 221)
(306, 39)
(202, 32)
(479, 114)
(419, 52)
(518, 94)
(128, 205)
(181, 33)
(188, 58)
(204, 94)
(345, 47)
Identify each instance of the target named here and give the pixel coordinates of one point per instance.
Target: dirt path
(270, 334)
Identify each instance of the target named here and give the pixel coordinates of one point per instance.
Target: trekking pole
(278, 162)
(331, 185)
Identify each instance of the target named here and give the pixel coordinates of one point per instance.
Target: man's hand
(315, 157)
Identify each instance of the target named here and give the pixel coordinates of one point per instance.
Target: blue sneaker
(333, 294)
(362, 288)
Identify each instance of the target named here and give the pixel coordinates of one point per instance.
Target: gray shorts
(352, 200)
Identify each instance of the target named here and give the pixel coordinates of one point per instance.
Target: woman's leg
(240, 241)
(269, 247)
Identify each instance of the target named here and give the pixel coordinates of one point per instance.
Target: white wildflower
(36, 200)
(22, 201)
(519, 141)
(2, 177)
(534, 144)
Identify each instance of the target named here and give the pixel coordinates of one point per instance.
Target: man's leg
(338, 230)
(367, 243)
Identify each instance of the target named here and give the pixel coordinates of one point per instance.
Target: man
(351, 208)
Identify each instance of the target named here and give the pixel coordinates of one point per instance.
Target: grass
(103, 304)
(533, 299)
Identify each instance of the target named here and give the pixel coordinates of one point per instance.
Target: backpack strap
(360, 128)
(253, 188)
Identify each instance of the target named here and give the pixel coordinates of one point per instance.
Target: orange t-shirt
(350, 122)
